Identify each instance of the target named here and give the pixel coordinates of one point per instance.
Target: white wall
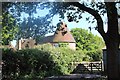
(72, 46)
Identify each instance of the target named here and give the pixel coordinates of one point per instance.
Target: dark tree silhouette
(111, 37)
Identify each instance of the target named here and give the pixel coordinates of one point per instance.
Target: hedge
(39, 62)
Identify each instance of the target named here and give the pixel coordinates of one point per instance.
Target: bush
(40, 62)
(63, 57)
(28, 63)
(95, 55)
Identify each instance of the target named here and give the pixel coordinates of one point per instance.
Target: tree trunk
(112, 42)
(112, 60)
(111, 38)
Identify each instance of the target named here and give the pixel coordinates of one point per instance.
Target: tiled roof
(62, 34)
(47, 39)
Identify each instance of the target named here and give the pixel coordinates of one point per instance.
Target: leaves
(36, 27)
(87, 42)
(9, 28)
(42, 61)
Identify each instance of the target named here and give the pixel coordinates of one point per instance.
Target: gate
(88, 67)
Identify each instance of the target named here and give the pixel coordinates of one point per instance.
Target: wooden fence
(88, 67)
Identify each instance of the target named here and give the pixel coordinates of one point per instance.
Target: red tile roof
(62, 34)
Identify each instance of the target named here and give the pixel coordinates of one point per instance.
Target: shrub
(63, 57)
(28, 63)
(40, 62)
(95, 55)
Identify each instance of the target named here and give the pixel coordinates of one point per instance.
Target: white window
(56, 45)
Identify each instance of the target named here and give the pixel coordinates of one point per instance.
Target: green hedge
(38, 63)
(29, 63)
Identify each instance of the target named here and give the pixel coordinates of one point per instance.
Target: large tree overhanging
(98, 17)
(111, 37)
(35, 27)
(94, 13)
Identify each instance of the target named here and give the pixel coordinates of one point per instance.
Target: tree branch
(94, 13)
(112, 21)
(112, 17)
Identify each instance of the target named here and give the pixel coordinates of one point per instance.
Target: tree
(111, 37)
(88, 43)
(9, 28)
(30, 26)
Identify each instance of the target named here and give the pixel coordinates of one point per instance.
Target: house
(25, 43)
(61, 38)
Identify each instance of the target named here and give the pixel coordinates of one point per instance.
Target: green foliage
(90, 45)
(40, 62)
(63, 44)
(29, 63)
(9, 28)
(63, 56)
(31, 25)
(35, 27)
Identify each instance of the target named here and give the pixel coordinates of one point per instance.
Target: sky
(82, 22)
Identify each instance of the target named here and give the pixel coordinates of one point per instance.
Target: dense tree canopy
(32, 26)
(9, 28)
(90, 44)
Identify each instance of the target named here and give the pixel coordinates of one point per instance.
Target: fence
(82, 68)
(88, 67)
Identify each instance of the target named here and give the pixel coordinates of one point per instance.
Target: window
(56, 45)
(63, 44)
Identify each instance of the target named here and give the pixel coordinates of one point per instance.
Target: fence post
(91, 67)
